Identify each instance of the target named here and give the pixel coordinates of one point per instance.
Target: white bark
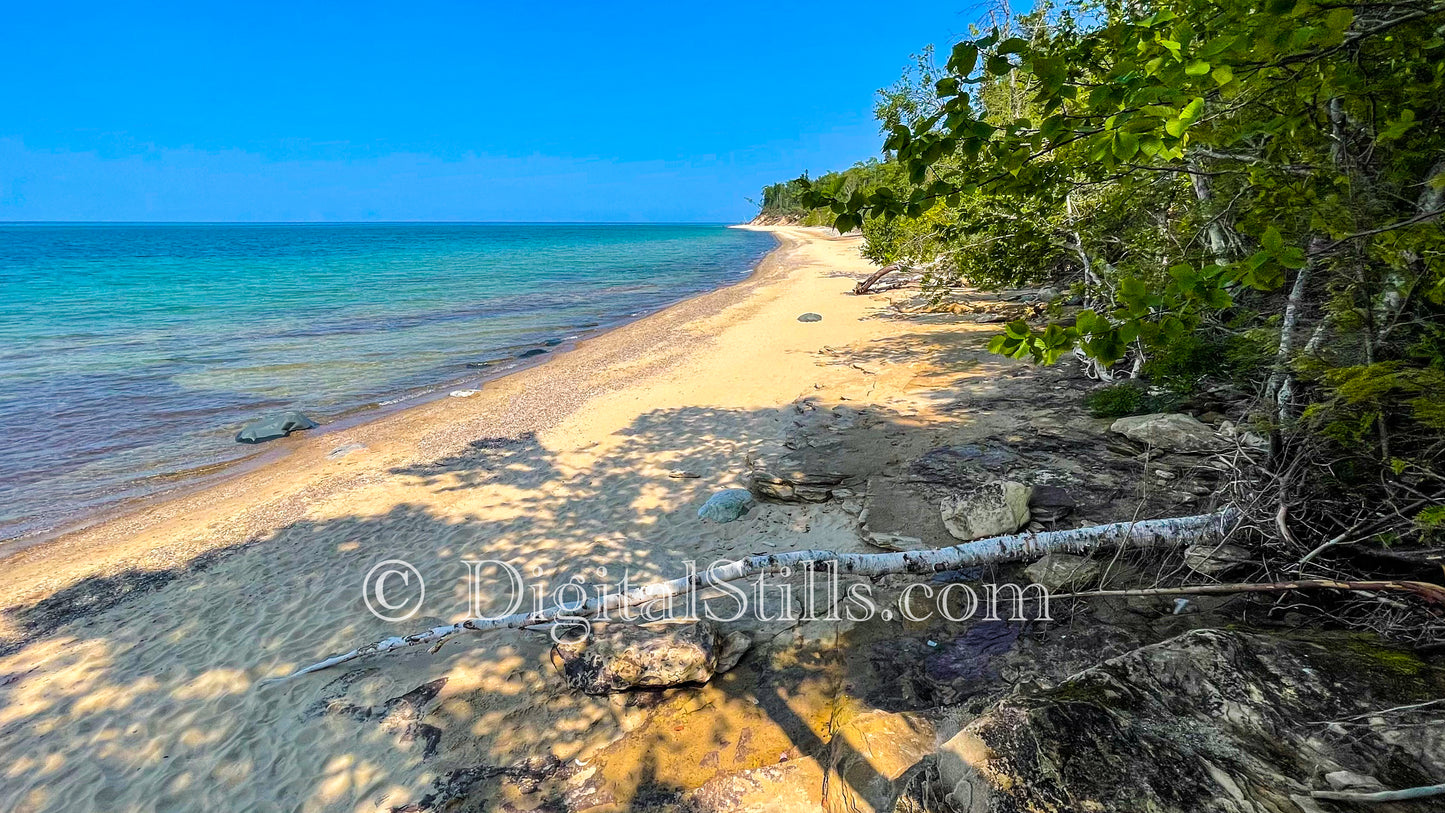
(1281, 384)
(1016, 547)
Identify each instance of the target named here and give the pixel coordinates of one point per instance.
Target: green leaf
(1013, 45)
(963, 59)
(1223, 75)
(1272, 241)
(1197, 68)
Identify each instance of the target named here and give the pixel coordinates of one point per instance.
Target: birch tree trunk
(1012, 548)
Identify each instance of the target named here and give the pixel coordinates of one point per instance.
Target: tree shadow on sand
(138, 690)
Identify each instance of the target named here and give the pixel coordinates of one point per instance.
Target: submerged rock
(996, 508)
(275, 426)
(536, 351)
(623, 656)
(1213, 721)
(726, 506)
(1172, 431)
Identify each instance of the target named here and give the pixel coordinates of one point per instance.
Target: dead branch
(1432, 593)
(867, 284)
(1016, 547)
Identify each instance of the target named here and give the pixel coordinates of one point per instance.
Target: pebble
(811, 317)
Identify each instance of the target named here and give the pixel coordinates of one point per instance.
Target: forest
(1242, 196)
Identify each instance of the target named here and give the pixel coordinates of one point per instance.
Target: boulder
(1208, 722)
(1212, 560)
(993, 509)
(626, 656)
(727, 505)
(1058, 572)
(274, 426)
(1171, 431)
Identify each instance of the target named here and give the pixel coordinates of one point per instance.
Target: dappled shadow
(138, 690)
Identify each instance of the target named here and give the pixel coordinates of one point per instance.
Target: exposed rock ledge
(1207, 721)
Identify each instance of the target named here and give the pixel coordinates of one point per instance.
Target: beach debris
(1152, 533)
(726, 505)
(274, 426)
(619, 657)
(683, 474)
(1173, 431)
(999, 507)
(1063, 571)
(344, 450)
(811, 317)
(463, 393)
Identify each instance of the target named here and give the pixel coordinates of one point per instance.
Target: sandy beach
(134, 647)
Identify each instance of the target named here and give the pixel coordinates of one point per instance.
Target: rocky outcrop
(993, 509)
(1170, 431)
(1208, 721)
(619, 657)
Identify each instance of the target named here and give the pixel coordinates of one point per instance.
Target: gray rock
(811, 317)
(274, 426)
(345, 449)
(794, 486)
(1000, 507)
(625, 656)
(1208, 722)
(1172, 431)
(1212, 560)
(1050, 503)
(683, 474)
(726, 506)
(1058, 572)
(1049, 294)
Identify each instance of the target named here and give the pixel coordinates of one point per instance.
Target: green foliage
(1124, 399)
(1219, 178)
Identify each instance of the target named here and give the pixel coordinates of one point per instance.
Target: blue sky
(522, 111)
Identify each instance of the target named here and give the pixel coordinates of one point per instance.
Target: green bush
(1128, 398)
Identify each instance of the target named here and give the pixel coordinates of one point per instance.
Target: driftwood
(1423, 792)
(1432, 593)
(866, 285)
(1012, 548)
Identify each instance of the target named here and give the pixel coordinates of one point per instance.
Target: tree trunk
(1017, 547)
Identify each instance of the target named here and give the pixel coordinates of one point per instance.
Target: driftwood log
(1012, 548)
(867, 285)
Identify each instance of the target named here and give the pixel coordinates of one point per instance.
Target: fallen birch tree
(1012, 548)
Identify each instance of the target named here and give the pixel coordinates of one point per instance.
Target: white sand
(151, 703)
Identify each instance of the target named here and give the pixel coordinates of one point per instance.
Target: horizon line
(366, 222)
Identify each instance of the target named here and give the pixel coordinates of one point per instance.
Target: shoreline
(201, 478)
(140, 515)
(133, 653)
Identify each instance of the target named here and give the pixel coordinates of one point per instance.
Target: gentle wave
(133, 353)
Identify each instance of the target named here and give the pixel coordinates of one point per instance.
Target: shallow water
(131, 354)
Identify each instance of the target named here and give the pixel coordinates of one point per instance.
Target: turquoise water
(131, 354)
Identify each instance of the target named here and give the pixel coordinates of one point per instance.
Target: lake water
(131, 354)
